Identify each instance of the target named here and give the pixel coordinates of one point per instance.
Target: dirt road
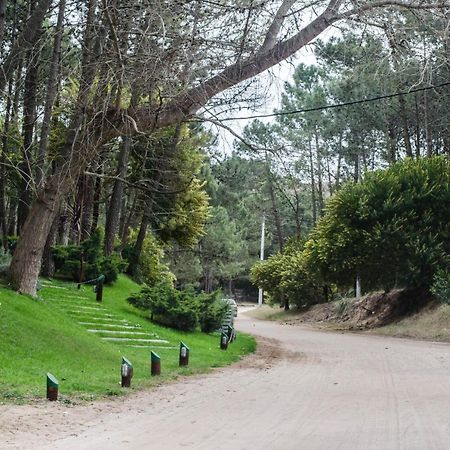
(309, 390)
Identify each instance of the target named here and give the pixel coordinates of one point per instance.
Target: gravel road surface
(304, 389)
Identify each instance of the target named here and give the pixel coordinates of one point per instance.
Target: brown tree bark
(24, 42)
(52, 91)
(29, 120)
(114, 208)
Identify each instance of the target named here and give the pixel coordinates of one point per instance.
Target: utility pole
(261, 256)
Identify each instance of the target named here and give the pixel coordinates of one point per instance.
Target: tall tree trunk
(3, 180)
(428, 140)
(139, 244)
(392, 144)
(418, 144)
(88, 206)
(52, 91)
(2, 19)
(319, 175)
(26, 261)
(339, 162)
(126, 222)
(405, 127)
(97, 196)
(29, 119)
(114, 208)
(313, 184)
(274, 204)
(25, 41)
(48, 262)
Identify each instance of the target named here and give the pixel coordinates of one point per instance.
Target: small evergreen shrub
(67, 260)
(183, 310)
(212, 311)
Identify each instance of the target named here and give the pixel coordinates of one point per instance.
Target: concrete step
(119, 339)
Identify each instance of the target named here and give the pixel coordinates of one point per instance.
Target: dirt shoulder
(398, 314)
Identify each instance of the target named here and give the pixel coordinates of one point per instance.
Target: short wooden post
(223, 341)
(155, 364)
(126, 372)
(52, 387)
(99, 288)
(184, 354)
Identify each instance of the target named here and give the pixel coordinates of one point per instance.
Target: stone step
(94, 308)
(152, 347)
(123, 325)
(131, 333)
(119, 339)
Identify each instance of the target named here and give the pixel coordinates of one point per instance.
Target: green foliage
(150, 269)
(212, 311)
(180, 309)
(393, 229)
(67, 260)
(441, 286)
(38, 336)
(286, 275)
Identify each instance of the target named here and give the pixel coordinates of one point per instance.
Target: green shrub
(67, 260)
(182, 310)
(167, 306)
(285, 275)
(392, 229)
(212, 311)
(441, 286)
(150, 268)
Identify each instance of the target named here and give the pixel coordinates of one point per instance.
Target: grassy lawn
(66, 332)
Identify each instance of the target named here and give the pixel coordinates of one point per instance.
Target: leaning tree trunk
(27, 256)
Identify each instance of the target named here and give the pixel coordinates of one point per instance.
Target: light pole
(261, 256)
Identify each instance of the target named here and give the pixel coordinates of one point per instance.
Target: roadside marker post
(127, 372)
(223, 341)
(155, 364)
(52, 387)
(184, 354)
(99, 288)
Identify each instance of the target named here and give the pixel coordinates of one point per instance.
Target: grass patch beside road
(45, 335)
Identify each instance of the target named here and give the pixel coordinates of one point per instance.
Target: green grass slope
(66, 332)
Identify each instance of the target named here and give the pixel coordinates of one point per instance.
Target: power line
(337, 105)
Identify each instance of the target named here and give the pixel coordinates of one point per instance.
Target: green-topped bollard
(223, 341)
(127, 372)
(52, 387)
(99, 288)
(155, 364)
(184, 354)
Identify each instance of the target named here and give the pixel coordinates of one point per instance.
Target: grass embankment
(51, 334)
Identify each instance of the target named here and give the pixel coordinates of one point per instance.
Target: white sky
(275, 78)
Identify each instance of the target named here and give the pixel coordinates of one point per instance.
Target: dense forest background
(168, 204)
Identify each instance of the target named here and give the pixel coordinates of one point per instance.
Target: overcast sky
(275, 79)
